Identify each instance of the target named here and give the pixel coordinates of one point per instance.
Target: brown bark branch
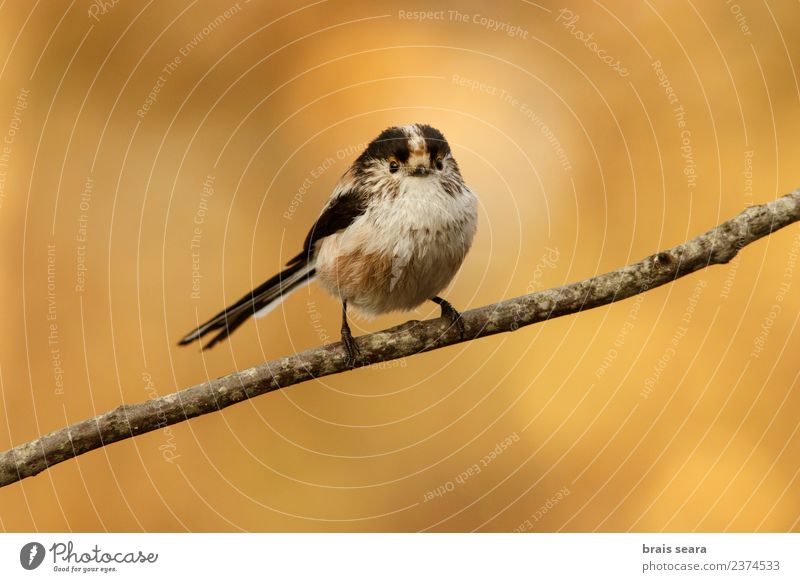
(716, 246)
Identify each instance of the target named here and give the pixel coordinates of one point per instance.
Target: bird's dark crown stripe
(434, 140)
(391, 142)
(394, 142)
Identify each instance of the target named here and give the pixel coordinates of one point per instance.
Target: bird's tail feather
(260, 299)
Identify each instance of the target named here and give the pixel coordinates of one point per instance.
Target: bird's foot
(354, 358)
(450, 313)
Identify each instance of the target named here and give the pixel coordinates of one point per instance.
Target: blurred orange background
(594, 134)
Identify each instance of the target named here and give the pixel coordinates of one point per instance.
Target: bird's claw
(354, 358)
(449, 312)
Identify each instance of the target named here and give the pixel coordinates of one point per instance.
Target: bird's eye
(439, 163)
(393, 166)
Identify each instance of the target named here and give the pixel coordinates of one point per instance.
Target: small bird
(392, 235)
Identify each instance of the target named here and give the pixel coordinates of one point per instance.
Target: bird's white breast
(402, 251)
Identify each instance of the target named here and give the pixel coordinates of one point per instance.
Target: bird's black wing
(340, 212)
(344, 206)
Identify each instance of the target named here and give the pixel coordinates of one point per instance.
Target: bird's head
(406, 152)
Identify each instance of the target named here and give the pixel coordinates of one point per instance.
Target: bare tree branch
(716, 246)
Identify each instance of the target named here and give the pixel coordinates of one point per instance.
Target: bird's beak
(420, 171)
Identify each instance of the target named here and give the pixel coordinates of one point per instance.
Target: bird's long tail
(258, 302)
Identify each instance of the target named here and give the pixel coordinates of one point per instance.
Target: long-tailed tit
(392, 235)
